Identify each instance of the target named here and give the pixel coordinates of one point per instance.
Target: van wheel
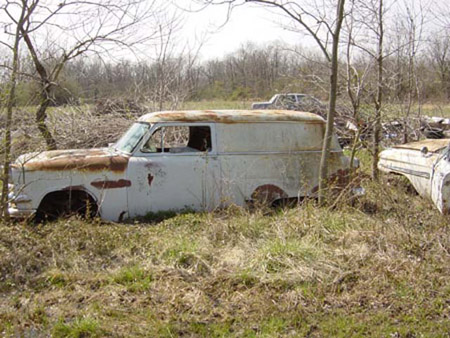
(66, 203)
(267, 194)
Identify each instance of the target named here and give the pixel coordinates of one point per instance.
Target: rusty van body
(197, 160)
(426, 164)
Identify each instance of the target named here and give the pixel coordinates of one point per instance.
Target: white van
(175, 160)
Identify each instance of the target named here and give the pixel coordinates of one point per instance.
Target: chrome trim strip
(406, 171)
(275, 152)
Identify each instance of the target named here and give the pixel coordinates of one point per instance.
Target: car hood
(76, 159)
(431, 144)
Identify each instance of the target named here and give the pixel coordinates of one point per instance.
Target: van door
(175, 168)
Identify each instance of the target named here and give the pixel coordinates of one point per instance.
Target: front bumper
(19, 205)
(20, 214)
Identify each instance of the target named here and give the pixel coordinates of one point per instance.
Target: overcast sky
(246, 23)
(251, 23)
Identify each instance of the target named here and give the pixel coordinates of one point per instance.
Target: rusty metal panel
(232, 116)
(82, 160)
(99, 172)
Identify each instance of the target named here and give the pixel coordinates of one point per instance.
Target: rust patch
(111, 184)
(150, 178)
(74, 153)
(232, 116)
(98, 162)
(268, 193)
(340, 179)
(73, 187)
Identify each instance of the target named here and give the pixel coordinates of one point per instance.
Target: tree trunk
(41, 116)
(379, 98)
(10, 102)
(323, 173)
(7, 140)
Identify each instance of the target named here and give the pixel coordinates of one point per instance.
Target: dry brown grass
(379, 268)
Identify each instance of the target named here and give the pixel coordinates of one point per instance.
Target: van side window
(179, 139)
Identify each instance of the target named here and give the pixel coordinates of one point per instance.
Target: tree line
(248, 73)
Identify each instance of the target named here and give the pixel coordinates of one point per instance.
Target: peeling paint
(111, 184)
(150, 178)
(339, 179)
(73, 187)
(232, 116)
(83, 160)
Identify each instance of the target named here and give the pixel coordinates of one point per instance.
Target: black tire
(65, 204)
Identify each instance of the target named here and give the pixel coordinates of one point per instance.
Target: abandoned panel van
(197, 160)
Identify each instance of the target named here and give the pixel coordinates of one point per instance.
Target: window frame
(156, 126)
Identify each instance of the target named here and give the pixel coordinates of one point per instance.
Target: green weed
(78, 328)
(134, 278)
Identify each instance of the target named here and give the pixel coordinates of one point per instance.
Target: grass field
(377, 268)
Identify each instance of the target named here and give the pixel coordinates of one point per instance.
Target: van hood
(98, 159)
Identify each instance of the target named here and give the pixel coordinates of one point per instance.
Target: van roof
(231, 116)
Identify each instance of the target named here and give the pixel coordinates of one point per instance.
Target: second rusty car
(175, 160)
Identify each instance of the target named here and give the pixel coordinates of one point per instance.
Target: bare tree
(440, 58)
(371, 17)
(408, 38)
(356, 74)
(10, 101)
(173, 60)
(78, 27)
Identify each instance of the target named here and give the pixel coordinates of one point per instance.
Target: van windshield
(128, 142)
